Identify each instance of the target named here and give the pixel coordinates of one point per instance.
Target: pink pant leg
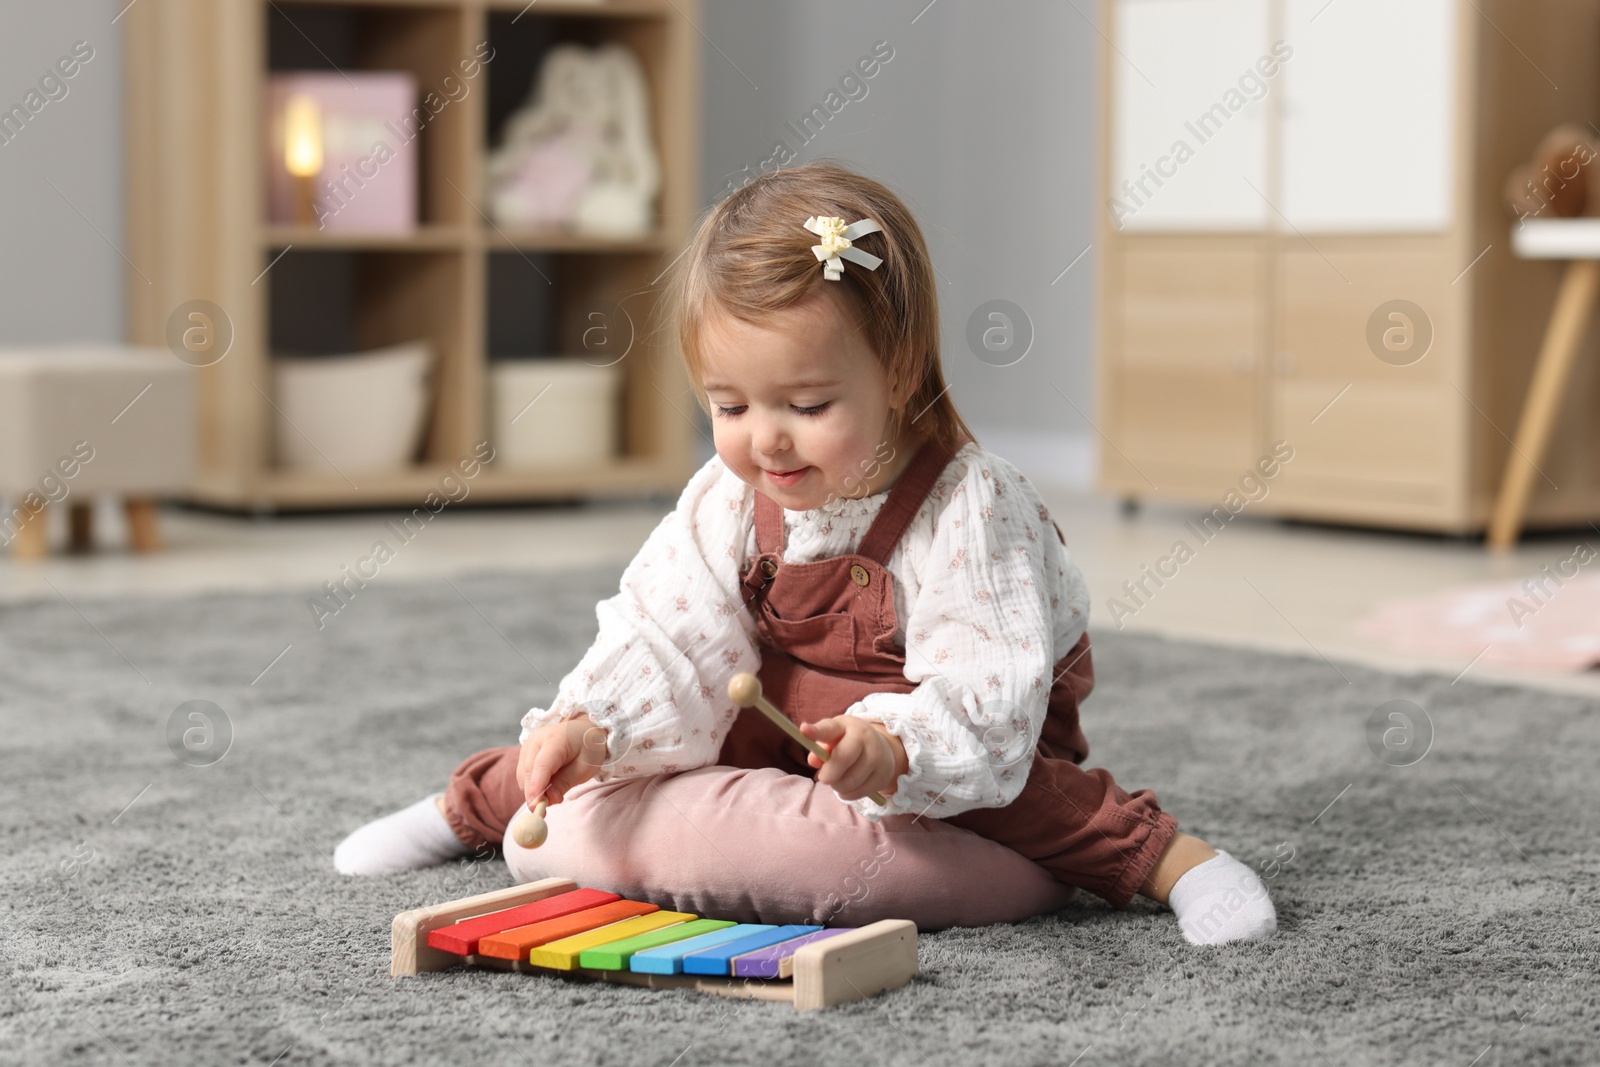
(767, 846)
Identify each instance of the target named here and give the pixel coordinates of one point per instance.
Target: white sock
(418, 836)
(1222, 900)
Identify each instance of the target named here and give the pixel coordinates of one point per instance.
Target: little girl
(903, 595)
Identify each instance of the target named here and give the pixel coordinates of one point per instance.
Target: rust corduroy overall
(827, 635)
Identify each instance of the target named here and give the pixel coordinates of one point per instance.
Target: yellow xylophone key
(563, 955)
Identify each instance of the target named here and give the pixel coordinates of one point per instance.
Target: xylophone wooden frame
(849, 966)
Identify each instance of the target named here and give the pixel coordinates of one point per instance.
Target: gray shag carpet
(160, 912)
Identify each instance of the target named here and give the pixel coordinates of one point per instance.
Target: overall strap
(905, 500)
(769, 526)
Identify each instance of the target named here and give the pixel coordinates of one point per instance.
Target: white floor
(1259, 583)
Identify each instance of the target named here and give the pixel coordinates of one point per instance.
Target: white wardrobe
(1302, 240)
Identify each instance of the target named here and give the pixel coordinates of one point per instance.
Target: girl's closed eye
(814, 409)
(738, 408)
(729, 410)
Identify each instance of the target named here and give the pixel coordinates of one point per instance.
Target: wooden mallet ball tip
(528, 827)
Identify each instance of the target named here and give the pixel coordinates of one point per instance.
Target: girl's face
(801, 406)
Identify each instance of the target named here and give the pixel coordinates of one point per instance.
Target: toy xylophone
(554, 927)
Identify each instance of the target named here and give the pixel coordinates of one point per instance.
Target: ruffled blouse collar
(848, 510)
(845, 508)
(855, 506)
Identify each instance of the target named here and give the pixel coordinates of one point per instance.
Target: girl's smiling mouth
(788, 477)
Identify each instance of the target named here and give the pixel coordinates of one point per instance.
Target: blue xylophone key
(715, 960)
(668, 959)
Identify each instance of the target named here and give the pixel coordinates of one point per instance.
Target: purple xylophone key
(768, 962)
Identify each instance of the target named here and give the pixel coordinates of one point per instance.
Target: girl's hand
(557, 757)
(863, 757)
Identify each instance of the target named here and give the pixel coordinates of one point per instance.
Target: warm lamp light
(302, 136)
(334, 156)
(302, 151)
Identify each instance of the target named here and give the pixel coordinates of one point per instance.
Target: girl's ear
(901, 388)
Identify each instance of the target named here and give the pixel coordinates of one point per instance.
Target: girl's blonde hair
(751, 255)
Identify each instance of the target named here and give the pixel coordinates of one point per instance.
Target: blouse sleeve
(656, 677)
(999, 602)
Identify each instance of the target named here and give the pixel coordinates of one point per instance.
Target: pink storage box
(362, 187)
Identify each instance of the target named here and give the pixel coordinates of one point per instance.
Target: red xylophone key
(462, 938)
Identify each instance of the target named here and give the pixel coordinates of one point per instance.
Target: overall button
(859, 575)
(769, 568)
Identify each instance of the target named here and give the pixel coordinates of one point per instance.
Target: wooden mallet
(745, 691)
(528, 828)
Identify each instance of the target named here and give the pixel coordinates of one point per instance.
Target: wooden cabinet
(1345, 194)
(1189, 331)
(196, 76)
(1364, 430)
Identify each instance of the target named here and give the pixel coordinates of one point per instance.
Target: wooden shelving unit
(196, 78)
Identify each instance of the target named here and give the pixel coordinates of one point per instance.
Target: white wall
(984, 120)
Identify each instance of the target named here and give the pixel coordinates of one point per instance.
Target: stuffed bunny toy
(578, 154)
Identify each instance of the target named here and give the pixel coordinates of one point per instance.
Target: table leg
(1568, 322)
(32, 540)
(143, 533)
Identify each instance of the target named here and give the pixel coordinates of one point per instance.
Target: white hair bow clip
(836, 243)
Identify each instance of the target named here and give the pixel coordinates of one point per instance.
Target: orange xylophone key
(516, 943)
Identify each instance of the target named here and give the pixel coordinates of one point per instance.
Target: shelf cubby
(427, 41)
(338, 302)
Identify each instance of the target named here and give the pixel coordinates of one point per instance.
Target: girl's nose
(770, 438)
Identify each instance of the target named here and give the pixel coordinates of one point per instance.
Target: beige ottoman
(85, 420)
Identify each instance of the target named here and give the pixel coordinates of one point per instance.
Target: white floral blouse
(987, 597)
